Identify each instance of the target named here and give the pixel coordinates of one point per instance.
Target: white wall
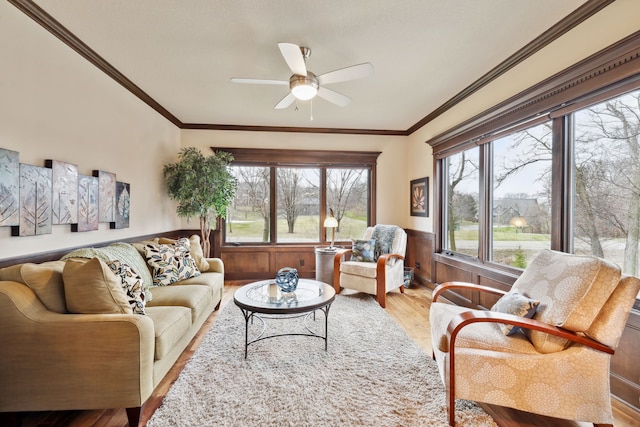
(56, 105)
(392, 185)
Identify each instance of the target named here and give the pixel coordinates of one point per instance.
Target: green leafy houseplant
(202, 186)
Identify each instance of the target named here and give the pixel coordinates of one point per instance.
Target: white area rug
(372, 374)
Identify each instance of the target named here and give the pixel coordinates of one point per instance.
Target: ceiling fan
(305, 85)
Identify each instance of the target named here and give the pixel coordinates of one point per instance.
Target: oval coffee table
(260, 300)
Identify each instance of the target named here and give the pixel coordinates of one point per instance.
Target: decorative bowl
(287, 279)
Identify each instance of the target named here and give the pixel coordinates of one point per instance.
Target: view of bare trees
(346, 191)
(297, 202)
(293, 194)
(608, 177)
(252, 196)
(461, 205)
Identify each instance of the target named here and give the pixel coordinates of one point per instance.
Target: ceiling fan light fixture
(304, 88)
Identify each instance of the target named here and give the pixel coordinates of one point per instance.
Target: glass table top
(266, 297)
(269, 292)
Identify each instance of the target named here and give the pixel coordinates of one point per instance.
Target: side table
(324, 263)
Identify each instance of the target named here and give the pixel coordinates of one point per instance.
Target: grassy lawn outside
(249, 228)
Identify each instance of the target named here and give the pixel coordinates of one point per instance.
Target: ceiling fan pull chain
(311, 111)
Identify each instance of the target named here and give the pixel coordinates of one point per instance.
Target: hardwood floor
(410, 310)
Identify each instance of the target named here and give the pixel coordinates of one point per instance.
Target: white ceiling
(184, 53)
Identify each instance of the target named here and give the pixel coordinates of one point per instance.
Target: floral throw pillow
(517, 304)
(363, 250)
(171, 262)
(132, 284)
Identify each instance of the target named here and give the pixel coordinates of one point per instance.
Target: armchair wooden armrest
(476, 316)
(337, 259)
(381, 280)
(382, 262)
(440, 289)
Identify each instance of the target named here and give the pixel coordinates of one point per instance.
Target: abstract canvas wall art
(123, 203)
(64, 205)
(9, 187)
(88, 195)
(35, 201)
(107, 198)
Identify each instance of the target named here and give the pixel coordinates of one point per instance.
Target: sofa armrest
(215, 265)
(56, 361)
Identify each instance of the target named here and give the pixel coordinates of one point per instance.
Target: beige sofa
(51, 359)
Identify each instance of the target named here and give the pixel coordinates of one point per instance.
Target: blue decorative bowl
(287, 279)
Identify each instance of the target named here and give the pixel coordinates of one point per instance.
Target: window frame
(320, 159)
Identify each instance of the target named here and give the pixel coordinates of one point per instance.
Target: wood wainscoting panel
(625, 369)
(302, 260)
(419, 256)
(246, 265)
(263, 262)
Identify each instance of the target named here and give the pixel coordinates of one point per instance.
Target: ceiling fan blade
(345, 74)
(293, 56)
(285, 102)
(334, 97)
(260, 81)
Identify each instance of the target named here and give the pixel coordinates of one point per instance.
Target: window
(248, 219)
(606, 206)
(298, 205)
(462, 196)
(347, 197)
(521, 199)
(283, 196)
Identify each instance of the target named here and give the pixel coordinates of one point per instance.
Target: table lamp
(331, 222)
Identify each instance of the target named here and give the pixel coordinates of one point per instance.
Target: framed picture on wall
(419, 197)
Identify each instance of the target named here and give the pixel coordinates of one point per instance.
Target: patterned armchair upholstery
(383, 272)
(557, 364)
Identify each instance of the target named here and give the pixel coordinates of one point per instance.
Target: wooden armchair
(377, 276)
(558, 363)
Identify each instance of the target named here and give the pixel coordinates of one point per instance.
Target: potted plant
(202, 186)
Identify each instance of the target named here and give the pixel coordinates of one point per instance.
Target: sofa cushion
(45, 280)
(170, 325)
(571, 289)
(171, 262)
(131, 284)
(198, 298)
(90, 287)
(120, 251)
(196, 251)
(128, 254)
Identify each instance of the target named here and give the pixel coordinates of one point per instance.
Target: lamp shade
(330, 222)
